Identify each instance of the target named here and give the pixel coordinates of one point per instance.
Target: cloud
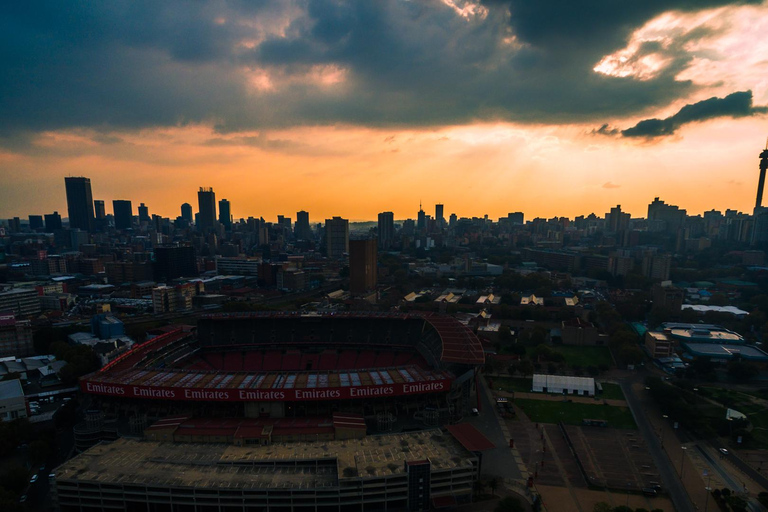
(244, 66)
(737, 104)
(610, 185)
(605, 129)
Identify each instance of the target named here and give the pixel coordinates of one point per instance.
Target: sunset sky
(355, 107)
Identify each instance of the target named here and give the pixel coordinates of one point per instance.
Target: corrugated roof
(470, 438)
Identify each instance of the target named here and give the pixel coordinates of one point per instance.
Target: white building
(12, 402)
(564, 384)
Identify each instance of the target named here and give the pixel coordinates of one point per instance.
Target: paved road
(743, 466)
(668, 476)
(498, 461)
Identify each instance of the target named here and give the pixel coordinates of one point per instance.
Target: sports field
(572, 413)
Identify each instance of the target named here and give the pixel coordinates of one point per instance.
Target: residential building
(362, 265)
(336, 237)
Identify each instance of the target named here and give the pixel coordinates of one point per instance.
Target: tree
(526, 367)
(509, 504)
(602, 506)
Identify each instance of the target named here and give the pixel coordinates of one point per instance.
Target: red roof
(470, 438)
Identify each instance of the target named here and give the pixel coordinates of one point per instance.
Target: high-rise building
(516, 218)
(144, 213)
(79, 202)
(206, 202)
(123, 212)
(421, 220)
(52, 222)
(172, 262)
(616, 220)
(35, 222)
(336, 237)
(302, 230)
(362, 265)
(186, 213)
(439, 218)
(386, 229)
(99, 211)
(225, 216)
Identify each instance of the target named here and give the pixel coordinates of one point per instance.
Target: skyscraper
(206, 202)
(421, 220)
(99, 210)
(144, 213)
(186, 212)
(386, 229)
(79, 202)
(225, 217)
(123, 212)
(52, 222)
(336, 237)
(362, 265)
(439, 218)
(302, 230)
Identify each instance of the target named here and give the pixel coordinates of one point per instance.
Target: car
(649, 491)
(475, 412)
(51, 476)
(42, 467)
(33, 479)
(23, 498)
(724, 451)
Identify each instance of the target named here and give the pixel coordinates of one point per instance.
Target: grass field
(612, 391)
(583, 356)
(510, 384)
(571, 413)
(744, 403)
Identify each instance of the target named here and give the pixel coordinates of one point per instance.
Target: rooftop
(10, 389)
(128, 461)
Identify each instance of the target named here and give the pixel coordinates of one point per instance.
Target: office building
(123, 211)
(439, 218)
(336, 237)
(206, 202)
(186, 213)
(421, 220)
(35, 222)
(52, 222)
(79, 203)
(144, 214)
(238, 266)
(302, 231)
(99, 210)
(225, 216)
(386, 230)
(173, 262)
(362, 265)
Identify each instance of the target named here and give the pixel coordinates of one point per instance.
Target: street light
(662, 430)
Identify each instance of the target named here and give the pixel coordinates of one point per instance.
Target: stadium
(392, 369)
(283, 412)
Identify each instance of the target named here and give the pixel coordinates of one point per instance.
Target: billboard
(264, 395)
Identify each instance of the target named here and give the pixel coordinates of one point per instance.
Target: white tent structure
(564, 384)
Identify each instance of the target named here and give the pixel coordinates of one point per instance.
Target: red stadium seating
(273, 361)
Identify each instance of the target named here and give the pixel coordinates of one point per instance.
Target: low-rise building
(659, 345)
(13, 405)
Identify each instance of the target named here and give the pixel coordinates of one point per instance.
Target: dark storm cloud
(135, 64)
(737, 104)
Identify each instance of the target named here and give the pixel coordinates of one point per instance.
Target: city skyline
(503, 107)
